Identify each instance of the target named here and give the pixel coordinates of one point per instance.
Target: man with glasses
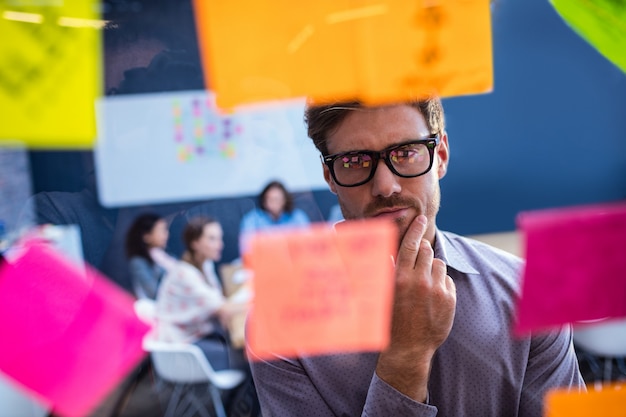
(451, 351)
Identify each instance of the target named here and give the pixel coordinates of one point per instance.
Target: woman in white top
(191, 306)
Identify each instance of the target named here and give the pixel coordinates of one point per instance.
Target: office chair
(186, 367)
(604, 341)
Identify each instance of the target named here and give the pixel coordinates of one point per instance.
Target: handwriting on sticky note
(321, 290)
(572, 254)
(608, 402)
(333, 50)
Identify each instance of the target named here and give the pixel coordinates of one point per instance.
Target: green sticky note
(602, 23)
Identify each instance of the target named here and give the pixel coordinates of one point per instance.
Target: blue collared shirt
(258, 219)
(480, 370)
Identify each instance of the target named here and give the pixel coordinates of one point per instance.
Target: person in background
(190, 304)
(146, 240)
(335, 215)
(451, 350)
(276, 209)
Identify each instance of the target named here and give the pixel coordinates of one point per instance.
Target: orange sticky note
(608, 402)
(321, 290)
(344, 49)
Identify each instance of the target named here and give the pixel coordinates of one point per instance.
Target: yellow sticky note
(320, 290)
(377, 51)
(49, 72)
(610, 401)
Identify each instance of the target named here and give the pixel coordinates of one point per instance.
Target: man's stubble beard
(402, 223)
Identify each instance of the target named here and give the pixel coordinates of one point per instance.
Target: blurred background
(551, 134)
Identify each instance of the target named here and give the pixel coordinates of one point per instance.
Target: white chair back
(145, 309)
(602, 337)
(184, 364)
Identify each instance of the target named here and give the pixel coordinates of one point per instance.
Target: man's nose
(384, 183)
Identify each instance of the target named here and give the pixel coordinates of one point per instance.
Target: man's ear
(329, 179)
(443, 155)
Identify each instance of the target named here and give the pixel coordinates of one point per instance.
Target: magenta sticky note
(69, 334)
(575, 265)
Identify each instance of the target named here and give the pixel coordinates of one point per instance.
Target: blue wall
(552, 133)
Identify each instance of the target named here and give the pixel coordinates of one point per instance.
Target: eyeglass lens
(407, 160)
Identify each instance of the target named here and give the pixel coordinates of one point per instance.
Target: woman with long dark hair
(146, 240)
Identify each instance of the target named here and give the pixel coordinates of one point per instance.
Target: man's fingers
(440, 273)
(426, 256)
(409, 247)
(451, 286)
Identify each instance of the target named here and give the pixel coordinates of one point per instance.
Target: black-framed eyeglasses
(407, 160)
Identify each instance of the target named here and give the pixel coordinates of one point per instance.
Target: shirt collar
(446, 251)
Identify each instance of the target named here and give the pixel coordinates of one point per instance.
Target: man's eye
(356, 161)
(409, 155)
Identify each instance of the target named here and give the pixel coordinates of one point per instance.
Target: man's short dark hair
(322, 119)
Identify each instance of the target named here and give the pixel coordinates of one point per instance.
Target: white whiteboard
(169, 147)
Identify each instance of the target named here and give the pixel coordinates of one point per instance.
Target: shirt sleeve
(247, 223)
(247, 226)
(143, 278)
(284, 389)
(384, 400)
(552, 363)
(300, 218)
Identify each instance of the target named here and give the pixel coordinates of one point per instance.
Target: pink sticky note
(320, 290)
(575, 263)
(69, 334)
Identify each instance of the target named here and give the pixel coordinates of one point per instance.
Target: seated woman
(146, 240)
(190, 304)
(276, 209)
